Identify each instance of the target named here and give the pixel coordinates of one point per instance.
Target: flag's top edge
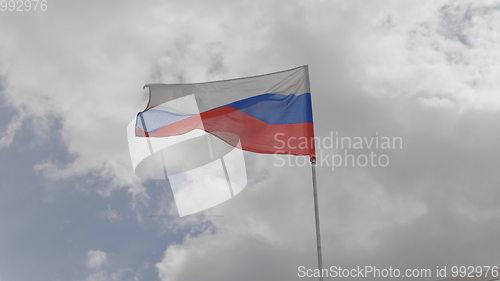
(232, 79)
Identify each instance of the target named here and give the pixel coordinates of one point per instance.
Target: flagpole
(315, 195)
(316, 217)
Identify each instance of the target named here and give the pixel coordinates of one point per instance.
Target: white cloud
(111, 214)
(266, 232)
(449, 45)
(98, 269)
(89, 73)
(98, 276)
(96, 259)
(8, 135)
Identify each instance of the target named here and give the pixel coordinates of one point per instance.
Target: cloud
(100, 269)
(98, 276)
(111, 214)
(96, 259)
(450, 47)
(88, 74)
(421, 71)
(8, 135)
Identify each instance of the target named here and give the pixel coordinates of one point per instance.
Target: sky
(71, 78)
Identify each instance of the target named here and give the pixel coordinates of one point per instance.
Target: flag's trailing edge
(269, 113)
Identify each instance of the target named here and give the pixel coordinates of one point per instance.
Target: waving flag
(269, 114)
(194, 135)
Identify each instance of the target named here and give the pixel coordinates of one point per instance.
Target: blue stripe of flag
(277, 109)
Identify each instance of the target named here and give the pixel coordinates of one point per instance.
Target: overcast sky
(71, 79)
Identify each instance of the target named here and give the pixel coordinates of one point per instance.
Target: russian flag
(269, 113)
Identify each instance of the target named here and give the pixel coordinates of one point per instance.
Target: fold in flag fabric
(269, 113)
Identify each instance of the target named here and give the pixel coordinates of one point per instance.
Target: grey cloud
(435, 204)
